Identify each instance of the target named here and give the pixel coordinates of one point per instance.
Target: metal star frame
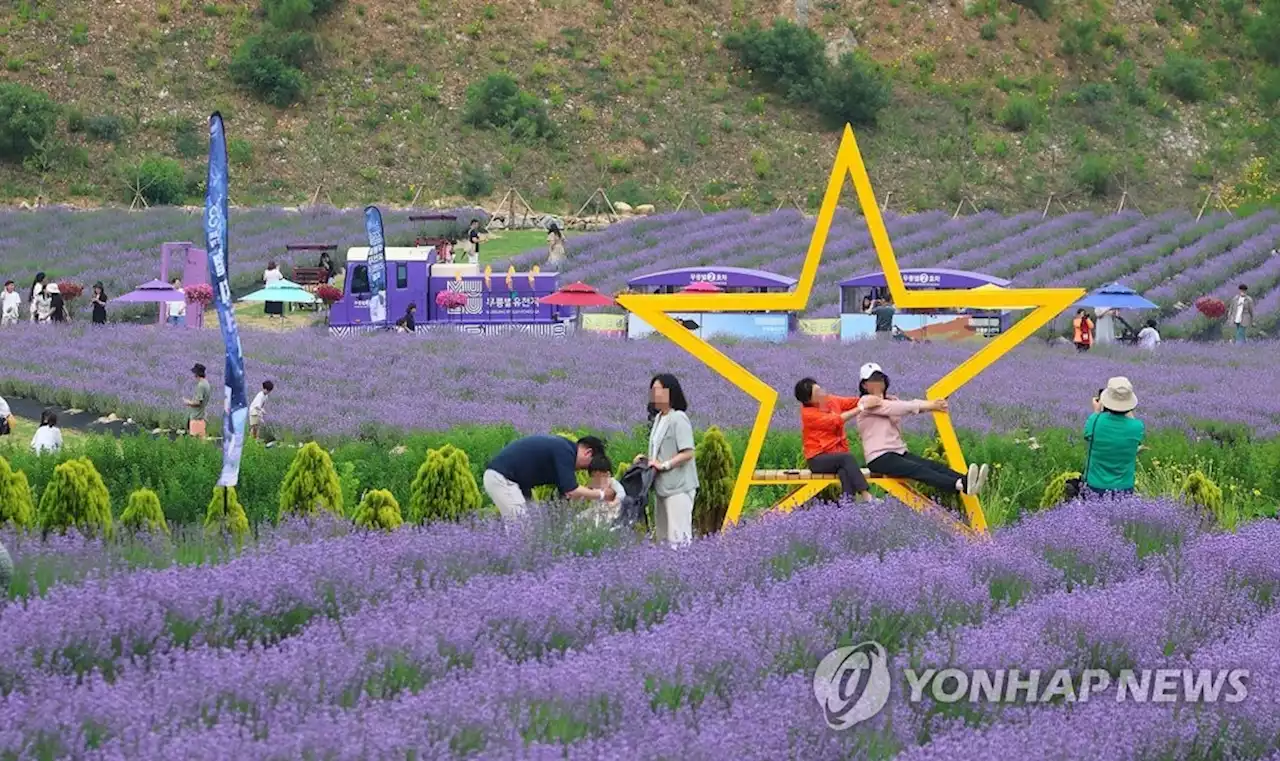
(1046, 303)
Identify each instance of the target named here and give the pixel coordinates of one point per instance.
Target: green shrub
(239, 151)
(1019, 113)
(1079, 37)
(143, 513)
(108, 127)
(855, 91)
(27, 117)
(786, 58)
(295, 14)
(1095, 174)
(445, 488)
(716, 475)
(1055, 493)
(497, 102)
(1096, 92)
(77, 498)
(378, 510)
(270, 65)
(225, 515)
(1264, 31)
(1185, 76)
(16, 504)
(1197, 489)
(311, 485)
(1042, 8)
(160, 180)
(475, 182)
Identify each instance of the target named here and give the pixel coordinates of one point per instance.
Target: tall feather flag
(235, 405)
(377, 263)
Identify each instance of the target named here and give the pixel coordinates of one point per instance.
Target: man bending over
(541, 460)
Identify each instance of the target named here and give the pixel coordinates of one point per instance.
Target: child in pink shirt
(880, 427)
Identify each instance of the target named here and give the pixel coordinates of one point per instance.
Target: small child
(600, 472)
(255, 409)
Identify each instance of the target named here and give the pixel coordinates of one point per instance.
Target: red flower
(199, 294)
(1210, 307)
(328, 293)
(70, 290)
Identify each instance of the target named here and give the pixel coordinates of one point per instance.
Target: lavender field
(1170, 257)
(328, 387)
(461, 641)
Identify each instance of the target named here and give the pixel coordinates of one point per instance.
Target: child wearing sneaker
(880, 427)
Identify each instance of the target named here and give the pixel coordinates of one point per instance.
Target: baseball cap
(868, 369)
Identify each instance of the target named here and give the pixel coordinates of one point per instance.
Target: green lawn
(504, 244)
(24, 430)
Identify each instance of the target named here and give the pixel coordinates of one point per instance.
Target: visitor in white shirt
(48, 436)
(10, 303)
(256, 407)
(177, 309)
(1149, 337)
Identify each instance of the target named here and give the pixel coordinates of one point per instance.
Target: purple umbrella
(154, 291)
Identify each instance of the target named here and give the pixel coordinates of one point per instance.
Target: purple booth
(769, 326)
(415, 277)
(192, 265)
(857, 292)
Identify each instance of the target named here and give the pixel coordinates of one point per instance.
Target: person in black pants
(826, 448)
(880, 426)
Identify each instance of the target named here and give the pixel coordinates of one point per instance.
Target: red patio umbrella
(701, 286)
(577, 295)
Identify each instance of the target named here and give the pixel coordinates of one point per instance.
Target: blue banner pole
(235, 406)
(377, 264)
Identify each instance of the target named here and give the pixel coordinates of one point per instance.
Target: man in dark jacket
(541, 460)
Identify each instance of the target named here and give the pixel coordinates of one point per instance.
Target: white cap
(868, 369)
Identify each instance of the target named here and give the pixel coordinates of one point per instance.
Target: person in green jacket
(1113, 435)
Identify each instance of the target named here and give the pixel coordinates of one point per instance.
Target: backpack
(636, 482)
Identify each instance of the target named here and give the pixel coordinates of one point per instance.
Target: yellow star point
(1046, 303)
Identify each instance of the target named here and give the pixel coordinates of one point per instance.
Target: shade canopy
(725, 277)
(930, 277)
(283, 291)
(702, 286)
(577, 295)
(155, 291)
(1115, 296)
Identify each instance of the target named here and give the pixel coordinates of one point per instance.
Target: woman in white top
(271, 275)
(48, 436)
(177, 309)
(556, 256)
(37, 292)
(671, 453)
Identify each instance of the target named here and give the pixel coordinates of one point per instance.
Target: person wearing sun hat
(880, 427)
(1113, 435)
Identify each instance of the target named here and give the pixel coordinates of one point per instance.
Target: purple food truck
(502, 304)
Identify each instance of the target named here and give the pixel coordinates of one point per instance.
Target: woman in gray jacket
(671, 455)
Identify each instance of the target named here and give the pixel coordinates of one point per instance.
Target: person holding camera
(1113, 435)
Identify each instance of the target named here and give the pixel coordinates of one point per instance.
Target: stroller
(636, 481)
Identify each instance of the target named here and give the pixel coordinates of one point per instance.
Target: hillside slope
(990, 102)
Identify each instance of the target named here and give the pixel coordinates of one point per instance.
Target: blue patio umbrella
(1114, 296)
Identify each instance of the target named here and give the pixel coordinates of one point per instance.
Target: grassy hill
(989, 100)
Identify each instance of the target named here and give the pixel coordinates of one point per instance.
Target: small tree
(311, 485)
(1199, 490)
(76, 497)
(143, 513)
(379, 510)
(27, 117)
(225, 514)
(16, 503)
(716, 472)
(1055, 493)
(444, 488)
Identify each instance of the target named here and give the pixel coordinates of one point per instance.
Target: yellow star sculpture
(654, 309)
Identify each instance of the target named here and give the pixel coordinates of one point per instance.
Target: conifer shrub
(16, 504)
(716, 474)
(311, 485)
(225, 515)
(76, 497)
(444, 488)
(1199, 490)
(143, 513)
(378, 510)
(1055, 492)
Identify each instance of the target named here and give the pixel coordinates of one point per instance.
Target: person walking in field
(473, 242)
(198, 404)
(1149, 337)
(556, 256)
(542, 460)
(826, 447)
(256, 408)
(10, 304)
(1241, 312)
(36, 296)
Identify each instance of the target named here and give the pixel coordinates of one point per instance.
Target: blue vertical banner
(235, 406)
(377, 263)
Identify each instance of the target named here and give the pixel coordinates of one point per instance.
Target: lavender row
(717, 649)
